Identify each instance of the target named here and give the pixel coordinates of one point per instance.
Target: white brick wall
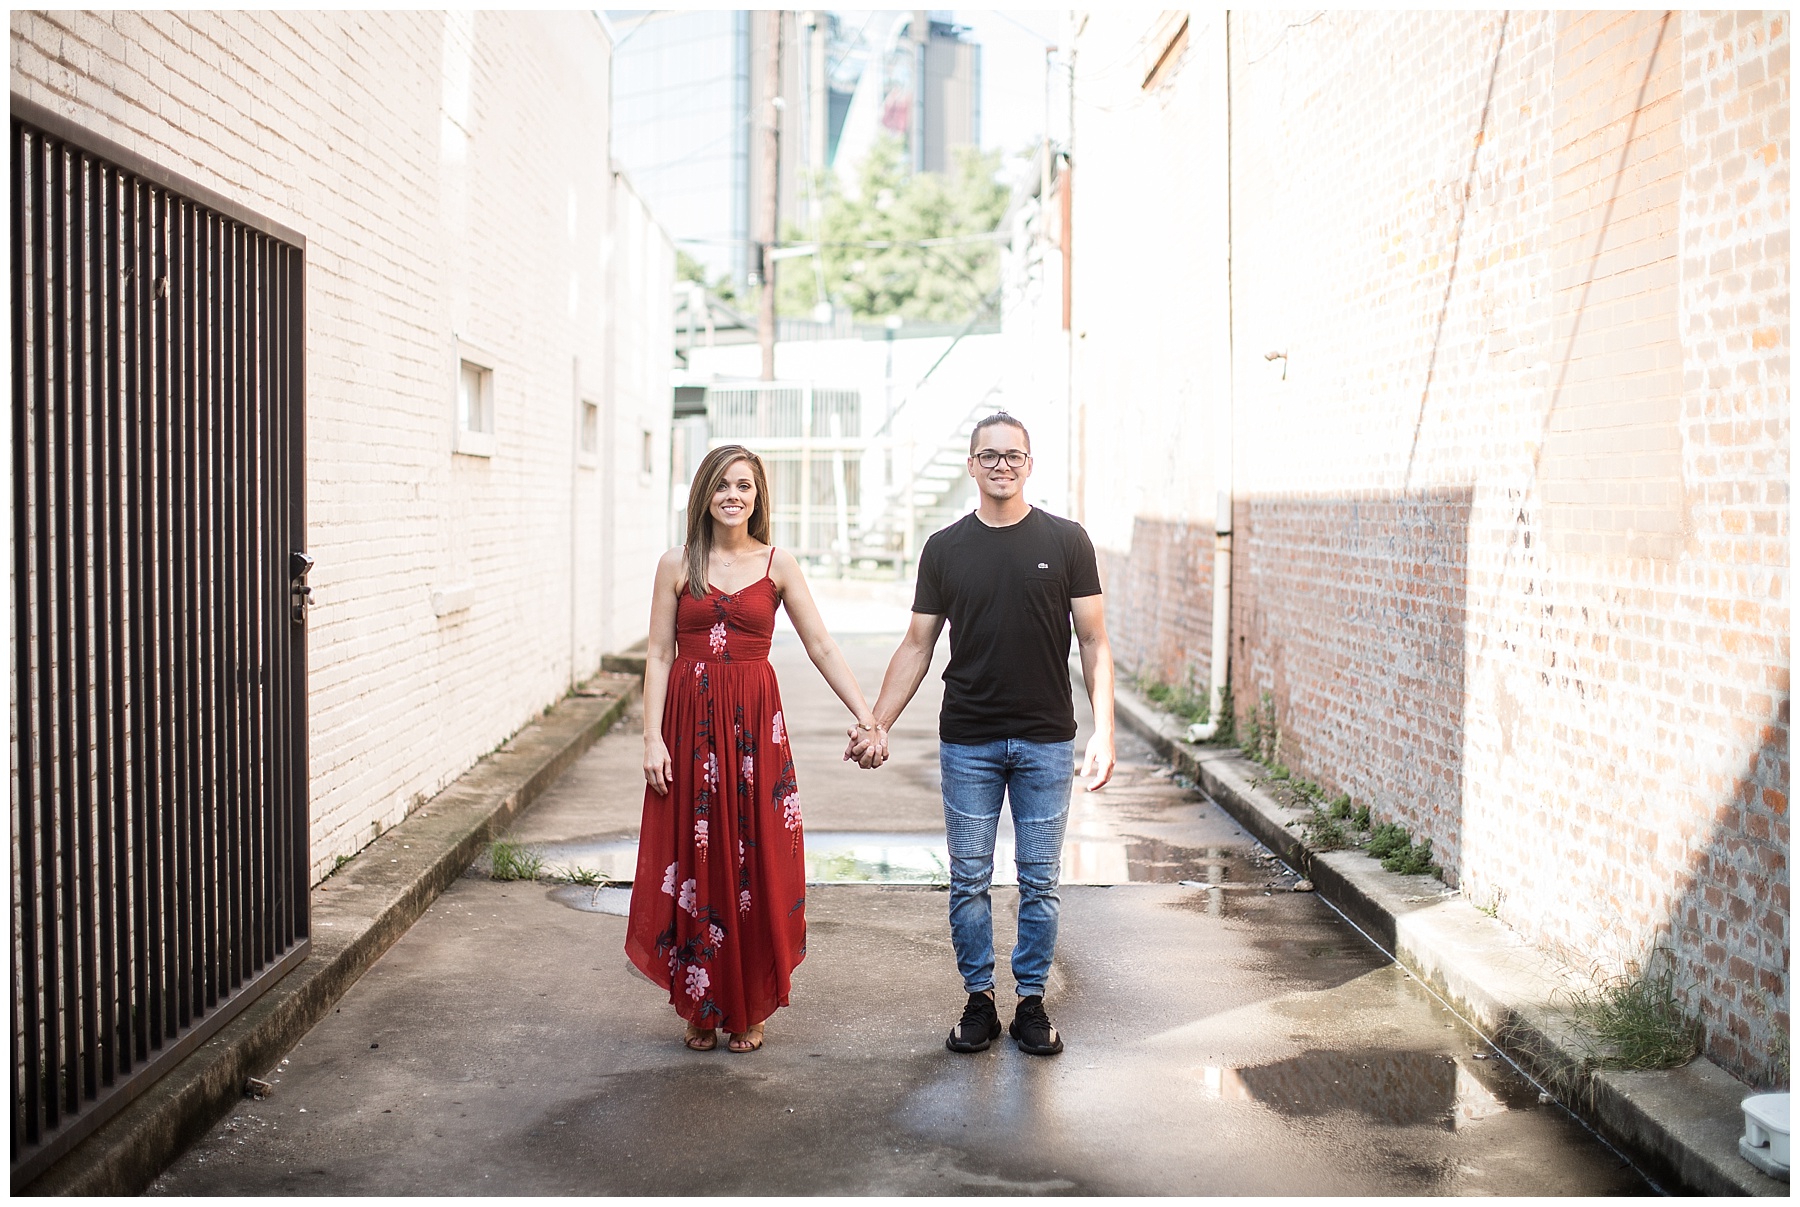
(450, 173)
(1150, 322)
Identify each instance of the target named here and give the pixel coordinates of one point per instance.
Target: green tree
(688, 268)
(950, 283)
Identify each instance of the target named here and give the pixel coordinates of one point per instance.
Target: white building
(486, 345)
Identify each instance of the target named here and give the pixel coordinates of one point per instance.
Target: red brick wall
(1731, 922)
(1511, 514)
(1350, 612)
(1159, 602)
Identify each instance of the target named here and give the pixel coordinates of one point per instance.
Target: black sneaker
(1031, 1027)
(980, 1026)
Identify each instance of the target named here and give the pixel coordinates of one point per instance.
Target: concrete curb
(357, 913)
(1682, 1125)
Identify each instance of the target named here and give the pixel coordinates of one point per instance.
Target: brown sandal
(701, 1039)
(750, 1040)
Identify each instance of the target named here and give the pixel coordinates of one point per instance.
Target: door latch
(300, 594)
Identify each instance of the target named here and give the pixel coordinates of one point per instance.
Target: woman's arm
(658, 658)
(824, 652)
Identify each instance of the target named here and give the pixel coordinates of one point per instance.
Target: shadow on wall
(1349, 610)
(1728, 927)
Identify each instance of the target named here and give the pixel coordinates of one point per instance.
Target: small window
(587, 435)
(649, 465)
(474, 409)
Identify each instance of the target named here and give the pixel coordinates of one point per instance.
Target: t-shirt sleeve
(928, 592)
(1084, 569)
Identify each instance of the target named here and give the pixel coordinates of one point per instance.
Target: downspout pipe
(1222, 461)
(1221, 621)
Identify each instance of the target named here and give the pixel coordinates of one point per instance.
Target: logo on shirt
(1043, 565)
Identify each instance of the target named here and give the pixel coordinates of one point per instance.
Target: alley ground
(1225, 1035)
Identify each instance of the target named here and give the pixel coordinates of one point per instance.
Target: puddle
(1398, 1088)
(597, 899)
(1213, 874)
(875, 858)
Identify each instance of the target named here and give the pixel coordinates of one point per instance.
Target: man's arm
(1089, 614)
(906, 670)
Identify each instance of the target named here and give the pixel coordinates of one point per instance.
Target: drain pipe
(1222, 458)
(1221, 619)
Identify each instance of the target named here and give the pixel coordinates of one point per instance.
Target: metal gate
(159, 789)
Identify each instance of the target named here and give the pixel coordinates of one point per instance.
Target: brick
(240, 102)
(1391, 585)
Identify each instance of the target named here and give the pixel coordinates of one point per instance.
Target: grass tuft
(1191, 706)
(1390, 843)
(1640, 1023)
(513, 861)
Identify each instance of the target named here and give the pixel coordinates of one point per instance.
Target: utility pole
(767, 227)
(818, 122)
(1044, 166)
(920, 30)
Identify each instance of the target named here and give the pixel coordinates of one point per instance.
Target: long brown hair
(699, 516)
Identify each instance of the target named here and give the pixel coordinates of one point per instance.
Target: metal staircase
(934, 494)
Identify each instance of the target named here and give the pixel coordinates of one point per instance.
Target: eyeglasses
(988, 458)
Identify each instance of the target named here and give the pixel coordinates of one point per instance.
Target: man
(1009, 578)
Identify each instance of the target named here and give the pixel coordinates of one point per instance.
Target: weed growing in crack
(1184, 702)
(585, 876)
(1262, 737)
(1226, 735)
(513, 861)
(1390, 843)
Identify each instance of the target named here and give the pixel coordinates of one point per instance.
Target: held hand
(658, 768)
(1099, 762)
(877, 752)
(867, 747)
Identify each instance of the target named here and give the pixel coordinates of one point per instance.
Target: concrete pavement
(1225, 1035)
(1683, 1124)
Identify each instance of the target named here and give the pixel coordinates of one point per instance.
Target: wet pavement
(1226, 1035)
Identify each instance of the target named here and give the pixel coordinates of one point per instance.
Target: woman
(718, 905)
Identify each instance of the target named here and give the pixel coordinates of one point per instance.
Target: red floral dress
(718, 907)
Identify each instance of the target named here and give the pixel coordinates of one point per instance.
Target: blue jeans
(1037, 777)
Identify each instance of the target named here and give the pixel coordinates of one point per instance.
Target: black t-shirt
(1006, 592)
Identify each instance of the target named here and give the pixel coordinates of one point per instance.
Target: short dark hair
(998, 417)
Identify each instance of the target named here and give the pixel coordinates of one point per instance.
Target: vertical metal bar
(27, 469)
(281, 632)
(262, 763)
(231, 574)
(211, 371)
(198, 614)
(137, 598)
(163, 803)
(181, 351)
(115, 834)
(62, 1046)
(100, 853)
(222, 675)
(281, 546)
(300, 819)
(78, 845)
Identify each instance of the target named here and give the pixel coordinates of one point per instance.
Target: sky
(1012, 65)
(1012, 71)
